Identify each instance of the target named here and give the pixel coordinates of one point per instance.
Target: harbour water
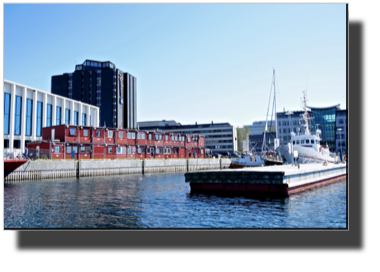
(162, 201)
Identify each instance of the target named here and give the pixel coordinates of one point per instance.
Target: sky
(193, 62)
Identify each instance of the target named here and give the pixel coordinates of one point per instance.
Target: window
(110, 150)
(75, 148)
(160, 150)
(88, 149)
(84, 119)
(139, 150)
(120, 134)
(67, 116)
(143, 136)
(72, 131)
(156, 137)
(82, 149)
(129, 135)
(138, 135)
(68, 149)
(160, 136)
(172, 138)
(85, 132)
(7, 110)
(18, 109)
(307, 141)
(302, 141)
(312, 141)
(188, 139)
(57, 149)
(143, 150)
(183, 138)
(110, 134)
(133, 135)
(98, 133)
(58, 116)
(175, 138)
(129, 150)
(39, 119)
(202, 151)
(150, 136)
(28, 119)
(134, 150)
(166, 137)
(298, 142)
(76, 114)
(16, 144)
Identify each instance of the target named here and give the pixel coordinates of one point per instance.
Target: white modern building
(27, 110)
(220, 138)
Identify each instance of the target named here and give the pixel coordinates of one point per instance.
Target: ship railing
(13, 154)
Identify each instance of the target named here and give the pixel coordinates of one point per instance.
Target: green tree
(242, 135)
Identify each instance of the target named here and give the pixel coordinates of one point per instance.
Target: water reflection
(162, 201)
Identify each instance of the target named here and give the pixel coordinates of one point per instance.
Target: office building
(27, 110)
(341, 130)
(258, 127)
(103, 85)
(256, 142)
(323, 118)
(220, 138)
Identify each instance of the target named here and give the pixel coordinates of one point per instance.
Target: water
(162, 201)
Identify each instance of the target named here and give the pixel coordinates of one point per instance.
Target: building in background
(27, 111)
(256, 142)
(321, 118)
(257, 128)
(103, 85)
(341, 130)
(220, 138)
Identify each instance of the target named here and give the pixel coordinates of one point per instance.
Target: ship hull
(11, 165)
(305, 155)
(237, 166)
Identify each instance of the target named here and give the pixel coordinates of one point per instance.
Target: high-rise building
(103, 85)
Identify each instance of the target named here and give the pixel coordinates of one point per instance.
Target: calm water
(162, 201)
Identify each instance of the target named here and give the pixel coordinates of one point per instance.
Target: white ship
(306, 145)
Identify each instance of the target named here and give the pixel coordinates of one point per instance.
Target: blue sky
(193, 62)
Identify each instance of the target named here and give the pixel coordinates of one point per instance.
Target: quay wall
(51, 169)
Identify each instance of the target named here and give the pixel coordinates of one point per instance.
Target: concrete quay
(279, 181)
(51, 169)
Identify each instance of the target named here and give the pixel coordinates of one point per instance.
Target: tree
(242, 135)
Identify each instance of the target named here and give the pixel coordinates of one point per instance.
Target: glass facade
(7, 110)
(67, 117)
(58, 116)
(39, 119)
(325, 121)
(18, 111)
(75, 118)
(48, 115)
(84, 119)
(28, 119)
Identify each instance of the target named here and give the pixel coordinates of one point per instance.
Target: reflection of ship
(306, 145)
(11, 165)
(247, 161)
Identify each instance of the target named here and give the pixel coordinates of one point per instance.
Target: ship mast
(266, 121)
(305, 115)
